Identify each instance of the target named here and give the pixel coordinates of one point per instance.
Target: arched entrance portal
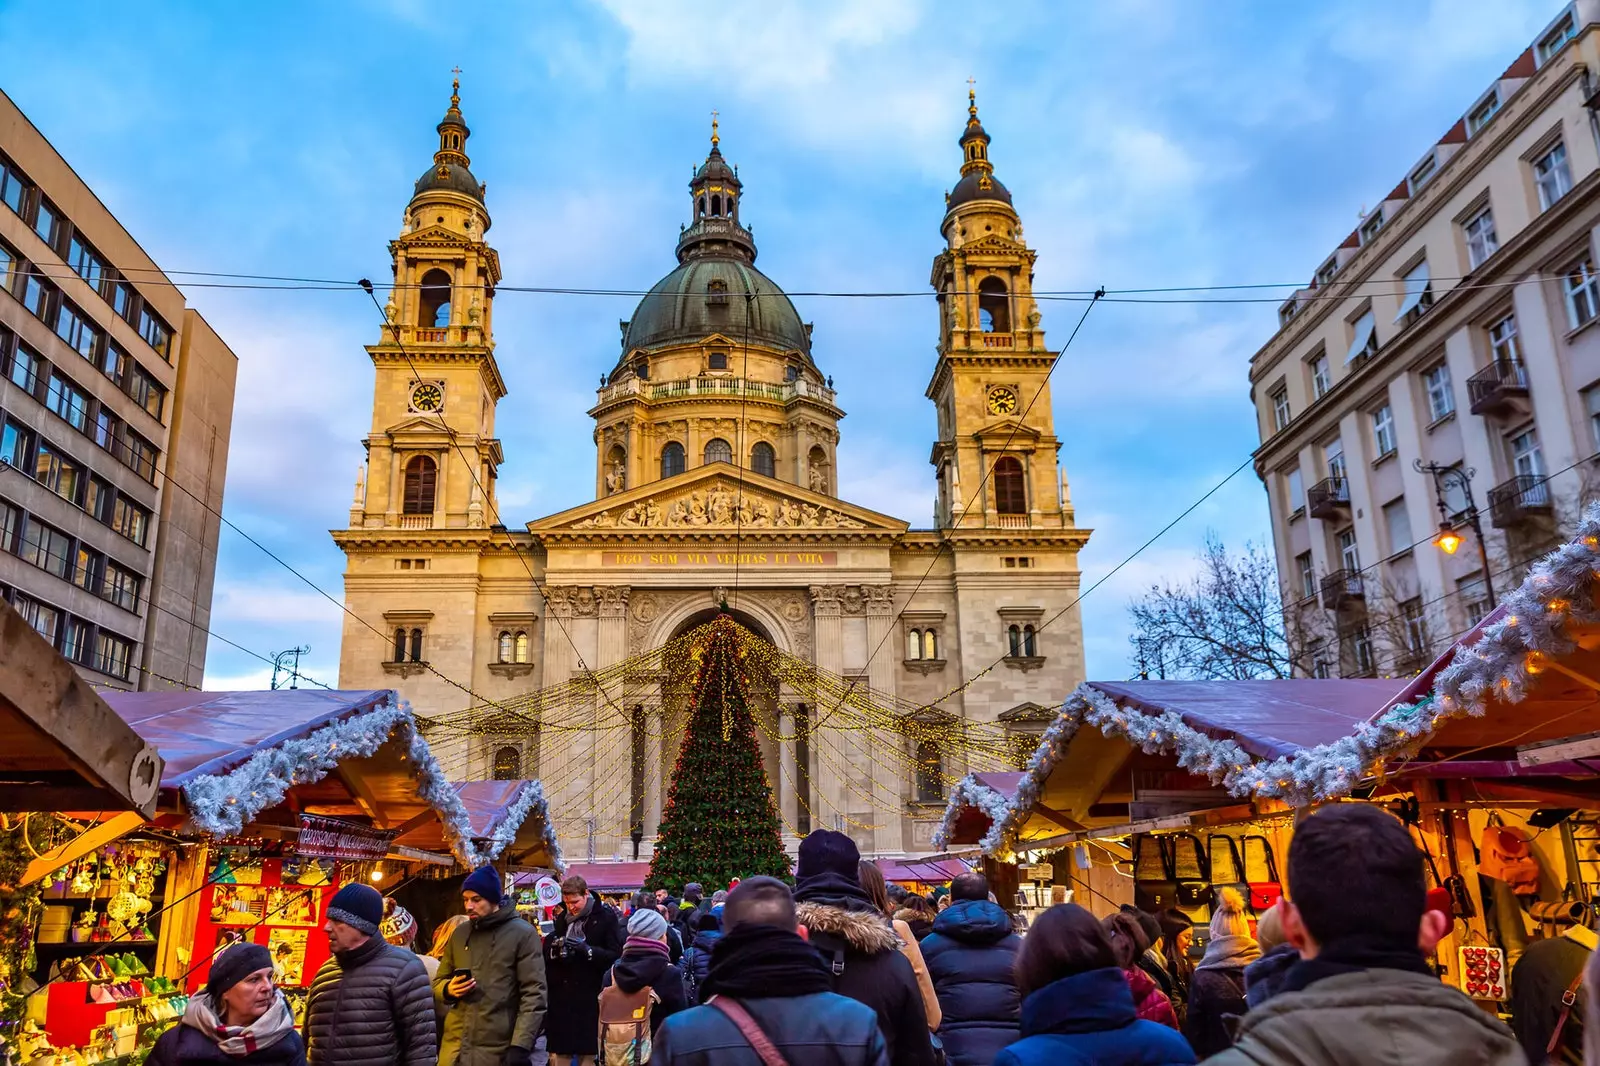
(677, 701)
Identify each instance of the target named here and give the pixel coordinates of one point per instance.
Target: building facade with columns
(716, 442)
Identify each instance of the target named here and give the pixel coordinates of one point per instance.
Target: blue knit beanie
(486, 882)
(359, 906)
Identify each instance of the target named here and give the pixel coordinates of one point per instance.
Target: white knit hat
(1227, 914)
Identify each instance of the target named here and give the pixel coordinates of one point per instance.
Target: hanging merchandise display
(1266, 889)
(1505, 856)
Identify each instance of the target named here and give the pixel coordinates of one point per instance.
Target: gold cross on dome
(714, 137)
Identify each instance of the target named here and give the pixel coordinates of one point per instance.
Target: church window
(1014, 641)
(507, 763)
(717, 361)
(994, 306)
(700, 207)
(717, 293)
(416, 645)
(791, 373)
(421, 477)
(672, 459)
(716, 205)
(435, 308)
(400, 645)
(763, 460)
(505, 646)
(930, 773)
(520, 646)
(718, 451)
(914, 644)
(1029, 648)
(930, 644)
(1010, 496)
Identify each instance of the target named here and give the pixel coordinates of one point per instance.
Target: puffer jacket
(371, 1007)
(697, 961)
(1088, 1020)
(863, 952)
(820, 1029)
(1149, 1002)
(1264, 978)
(1376, 1017)
(508, 1006)
(970, 956)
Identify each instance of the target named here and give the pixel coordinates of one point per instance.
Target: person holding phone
(490, 987)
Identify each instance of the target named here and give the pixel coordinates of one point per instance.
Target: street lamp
(1449, 538)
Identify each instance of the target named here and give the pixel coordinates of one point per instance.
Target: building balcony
(1328, 498)
(715, 387)
(998, 340)
(1495, 386)
(1341, 587)
(1513, 502)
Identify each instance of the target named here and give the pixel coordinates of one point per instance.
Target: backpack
(691, 989)
(625, 1025)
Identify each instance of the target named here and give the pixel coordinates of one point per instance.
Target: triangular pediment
(434, 234)
(418, 424)
(1007, 429)
(995, 244)
(717, 496)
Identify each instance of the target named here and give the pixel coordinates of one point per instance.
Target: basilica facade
(717, 436)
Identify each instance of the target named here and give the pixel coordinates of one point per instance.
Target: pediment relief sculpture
(719, 507)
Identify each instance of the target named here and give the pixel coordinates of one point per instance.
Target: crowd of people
(844, 970)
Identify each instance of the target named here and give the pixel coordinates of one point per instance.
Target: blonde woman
(441, 937)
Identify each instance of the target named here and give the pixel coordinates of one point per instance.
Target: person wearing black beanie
(490, 987)
(238, 1018)
(370, 1004)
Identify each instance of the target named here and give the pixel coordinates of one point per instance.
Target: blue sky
(1146, 142)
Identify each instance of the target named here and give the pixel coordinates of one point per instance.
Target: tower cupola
(977, 173)
(450, 163)
(714, 194)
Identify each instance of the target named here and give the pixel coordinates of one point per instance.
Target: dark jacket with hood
(636, 970)
(970, 955)
(1264, 978)
(697, 959)
(371, 1007)
(508, 1006)
(573, 1025)
(862, 952)
(184, 1045)
(1088, 1019)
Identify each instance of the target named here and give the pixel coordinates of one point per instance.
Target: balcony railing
(999, 340)
(1496, 385)
(1513, 501)
(1327, 497)
(432, 334)
(416, 521)
(733, 388)
(1340, 587)
(1014, 521)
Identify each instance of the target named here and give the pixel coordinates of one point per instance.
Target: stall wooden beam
(1569, 749)
(82, 844)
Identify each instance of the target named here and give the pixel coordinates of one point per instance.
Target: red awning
(932, 870)
(603, 876)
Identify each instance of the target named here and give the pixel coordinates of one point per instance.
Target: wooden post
(180, 911)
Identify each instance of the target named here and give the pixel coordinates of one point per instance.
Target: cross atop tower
(714, 137)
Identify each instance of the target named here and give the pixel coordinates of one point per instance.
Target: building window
(1371, 226)
(507, 763)
(58, 473)
(400, 645)
(1349, 555)
(1383, 431)
(1441, 402)
(76, 330)
(1308, 575)
(88, 570)
(1581, 290)
(112, 655)
(994, 306)
(1280, 407)
(75, 635)
(47, 223)
(1527, 459)
(116, 364)
(1320, 668)
(106, 425)
(1286, 312)
(1010, 495)
(35, 294)
(930, 644)
(1020, 641)
(1591, 404)
(84, 262)
(122, 299)
(121, 587)
(717, 361)
(1479, 116)
(68, 401)
(99, 499)
(420, 480)
(25, 368)
(1551, 176)
(1422, 172)
(1296, 489)
(130, 520)
(8, 262)
(1363, 339)
(1326, 272)
(506, 646)
(1481, 239)
(914, 644)
(763, 460)
(13, 187)
(16, 446)
(672, 459)
(140, 456)
(930, 773)
(42, 617)
(1397, 520)
(146, 391)
(1557, 38)
(520, 646)
(1474, 597)
(1503, 340)
(1418, 295)
(718, 451)
(433, 309)
(1333, 455)
(408, 645)
(1361, 651)
(1321, 377)
(513, 647)
(1416, 623)
(154, 331)
(47, 548)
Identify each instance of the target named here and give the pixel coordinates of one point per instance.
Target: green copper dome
(706, 294)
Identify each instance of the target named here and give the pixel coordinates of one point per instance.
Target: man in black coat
(371, 1004)
(859, 946)
(762, 968)
(971, 955)
(585, 940)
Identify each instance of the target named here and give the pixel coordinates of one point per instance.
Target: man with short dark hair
(490, 988)
(1362, 992)
(585, 940)
(765, 975)
(971, 954)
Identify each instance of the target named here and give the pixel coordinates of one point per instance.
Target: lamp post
(1448, 539)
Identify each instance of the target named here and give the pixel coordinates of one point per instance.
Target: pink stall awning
(933, 870)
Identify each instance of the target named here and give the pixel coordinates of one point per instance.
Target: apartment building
(116, 402)
(1442, 371)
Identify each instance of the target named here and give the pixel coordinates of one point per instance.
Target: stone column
(612, 749)
(566, 782)
(788, 771)
(827, 610)
(885, 781)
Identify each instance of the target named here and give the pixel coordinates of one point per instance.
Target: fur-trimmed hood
(864, 931)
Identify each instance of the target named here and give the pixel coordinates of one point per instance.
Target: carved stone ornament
(645, 609)
(794, 609)
(570, 601)
(613, 600)
(720, 508)
(880, 598)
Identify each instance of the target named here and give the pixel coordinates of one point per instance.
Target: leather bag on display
(1154, 887)
(1266, 889)
(1193, 874)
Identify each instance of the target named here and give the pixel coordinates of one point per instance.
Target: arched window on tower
(399, 645)
(914, 644)
(930, 773)
(507, 763)
(716, 205)
(700, 207)
(434, 310)
(1029, 647)
(718, 451)
(1014, 641)
(506, 646)
(763, 460)
(416, 646)
(994, 306)
(672, 459)
(1010, 494)
(520, 646)
(421, 478)
(930, 644)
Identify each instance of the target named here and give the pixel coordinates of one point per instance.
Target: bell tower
(437, 382)
(992, 361)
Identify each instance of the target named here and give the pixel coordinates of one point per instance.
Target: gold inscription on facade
(720, 558)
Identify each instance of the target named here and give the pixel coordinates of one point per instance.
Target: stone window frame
(511, 622)
(920, 622)
(1023, 618)
(415, 624)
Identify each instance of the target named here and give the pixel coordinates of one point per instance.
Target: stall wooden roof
(510, 821)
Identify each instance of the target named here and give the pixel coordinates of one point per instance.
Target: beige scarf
(240, 1040)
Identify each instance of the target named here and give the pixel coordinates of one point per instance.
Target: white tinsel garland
(530, 802)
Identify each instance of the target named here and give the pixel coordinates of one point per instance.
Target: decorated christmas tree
(720, 821)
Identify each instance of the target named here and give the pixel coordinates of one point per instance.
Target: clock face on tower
(1002, 400)
(428, 397)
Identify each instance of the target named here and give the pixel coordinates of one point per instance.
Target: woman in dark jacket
(696, 962)
(646, 962)
(1076, 1007)
(240, 1019)
(1216, 994)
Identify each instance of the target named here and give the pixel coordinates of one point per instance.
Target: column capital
(880, 599)
(827, 601)
(613, 600)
